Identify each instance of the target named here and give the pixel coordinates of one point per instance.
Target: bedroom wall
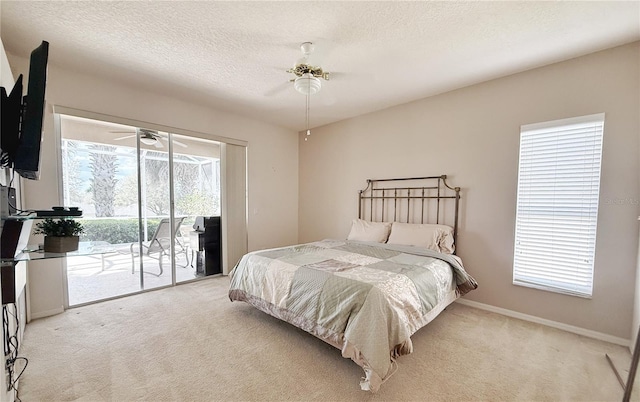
(635, 323)
(272, 161)
(472, 135)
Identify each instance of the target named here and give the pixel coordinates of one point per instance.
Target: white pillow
(369, 231)
(434, 237)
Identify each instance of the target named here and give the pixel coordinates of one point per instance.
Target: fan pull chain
(307, 118)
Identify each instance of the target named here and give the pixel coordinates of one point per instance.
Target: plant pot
(57, 244)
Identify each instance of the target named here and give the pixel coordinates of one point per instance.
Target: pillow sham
(434, 237)
(362, 230)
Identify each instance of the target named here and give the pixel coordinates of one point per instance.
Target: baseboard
(554, 324)
(47, 313)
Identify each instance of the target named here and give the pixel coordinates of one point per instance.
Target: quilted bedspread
(366, 299)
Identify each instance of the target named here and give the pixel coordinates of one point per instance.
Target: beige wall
(636, 305)
(272, 161)
(472, 135)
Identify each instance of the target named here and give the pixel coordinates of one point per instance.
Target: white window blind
(557, 206)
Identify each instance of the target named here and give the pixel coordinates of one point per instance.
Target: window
(557, 206)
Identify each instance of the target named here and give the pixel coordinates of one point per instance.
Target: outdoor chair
(160, 244)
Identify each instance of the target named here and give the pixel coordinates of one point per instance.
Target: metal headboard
(421, 200)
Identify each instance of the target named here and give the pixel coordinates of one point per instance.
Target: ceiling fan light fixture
(307, 84)
(148, 140)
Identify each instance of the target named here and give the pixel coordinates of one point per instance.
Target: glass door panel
(196, 184)
(100, 177)
(155, 210)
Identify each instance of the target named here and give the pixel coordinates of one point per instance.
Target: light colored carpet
(190, 343)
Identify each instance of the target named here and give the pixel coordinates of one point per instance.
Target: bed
(367, 294)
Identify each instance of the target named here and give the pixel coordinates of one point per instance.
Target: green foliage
(116, 231)
(157, 183)
(59, 227)
(127, 191)
(198, 203)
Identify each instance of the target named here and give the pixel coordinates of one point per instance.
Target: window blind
(557, 204)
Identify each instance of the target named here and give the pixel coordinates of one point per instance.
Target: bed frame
(411, 200)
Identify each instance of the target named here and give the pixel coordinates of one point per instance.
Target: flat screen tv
(22, 118)
(11, 113)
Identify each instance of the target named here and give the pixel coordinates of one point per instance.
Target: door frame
(58, 110)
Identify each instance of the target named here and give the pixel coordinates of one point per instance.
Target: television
(10, 134)
(22, 118)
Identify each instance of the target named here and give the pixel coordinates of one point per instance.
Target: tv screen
(27, 158)
(11, 107)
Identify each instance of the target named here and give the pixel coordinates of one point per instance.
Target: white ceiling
(233, 55)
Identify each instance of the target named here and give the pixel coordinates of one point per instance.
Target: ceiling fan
(308, 77)
(307, 80)
(148, 137)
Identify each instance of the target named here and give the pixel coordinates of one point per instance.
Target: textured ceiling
(233, 55)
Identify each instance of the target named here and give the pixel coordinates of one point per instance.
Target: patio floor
(101, 276)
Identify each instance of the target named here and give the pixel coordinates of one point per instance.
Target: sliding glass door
(141, 192)
(196, 194)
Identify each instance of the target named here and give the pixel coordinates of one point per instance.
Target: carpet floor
(190, 343)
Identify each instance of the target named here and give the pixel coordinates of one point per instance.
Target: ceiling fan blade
(125, 137)
(278, 89)
(321, 51)
(158, 138)
(180, 144)
(327, 99)
(338, 75)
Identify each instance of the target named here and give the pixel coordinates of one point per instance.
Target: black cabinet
(207, 244)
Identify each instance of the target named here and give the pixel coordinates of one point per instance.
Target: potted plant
(60, 235)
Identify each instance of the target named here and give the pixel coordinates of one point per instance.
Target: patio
(101, 276)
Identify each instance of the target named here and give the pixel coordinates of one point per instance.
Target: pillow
(434, 237)
(369, 231)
